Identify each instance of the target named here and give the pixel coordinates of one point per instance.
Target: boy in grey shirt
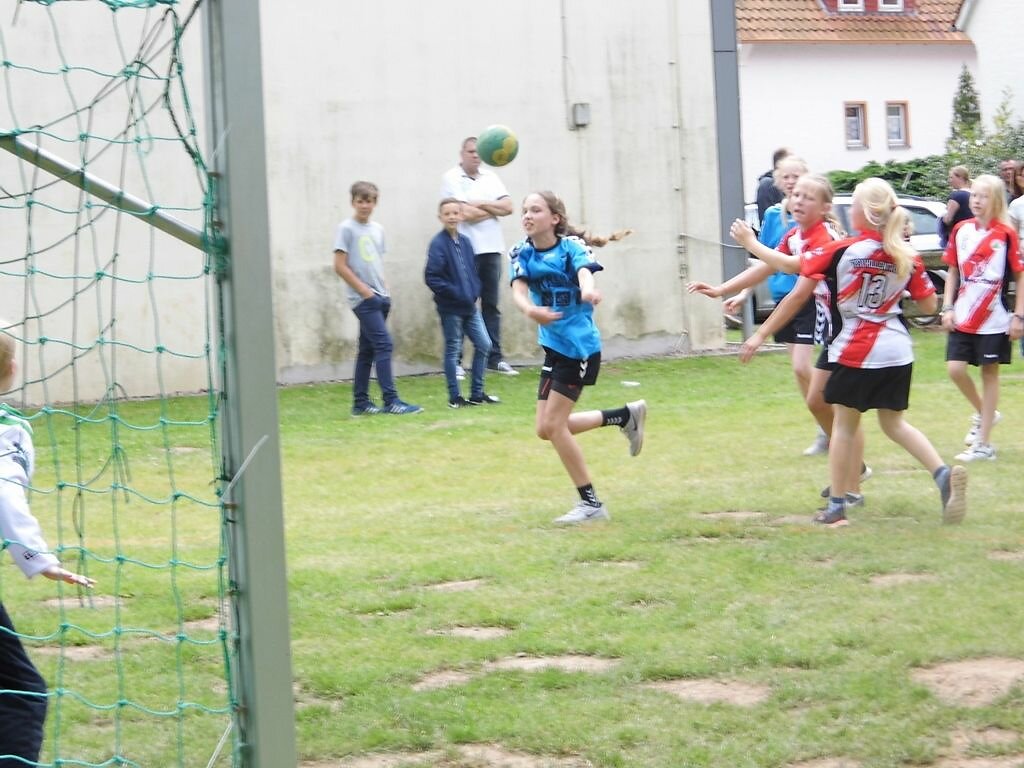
(358, 251)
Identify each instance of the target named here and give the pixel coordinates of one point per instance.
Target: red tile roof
(817, 21)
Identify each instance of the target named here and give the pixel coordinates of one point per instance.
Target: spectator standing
(958, 206)
(768, 192)
(485, 200)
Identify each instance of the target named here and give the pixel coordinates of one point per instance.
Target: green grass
(378, 509)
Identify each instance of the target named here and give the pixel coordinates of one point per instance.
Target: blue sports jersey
(772, 230)
(552, 281)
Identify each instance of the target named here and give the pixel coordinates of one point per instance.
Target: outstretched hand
(741, 232)
(705, 289)
(735, 304)
(592, 296)
(749, 347)
(543, 315)
(57, 573)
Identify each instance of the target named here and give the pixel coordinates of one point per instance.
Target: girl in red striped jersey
(982, 254)
(872, 353)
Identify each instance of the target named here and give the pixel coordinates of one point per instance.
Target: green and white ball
(497, 145)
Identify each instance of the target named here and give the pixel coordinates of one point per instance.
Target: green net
(113, 308)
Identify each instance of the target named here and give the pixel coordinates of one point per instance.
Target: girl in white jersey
(982, 254)
(23, 694)
(872, 353)
(552, 274)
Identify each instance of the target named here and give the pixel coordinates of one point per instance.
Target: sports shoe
(505, 368)
(953, 493)
(460, 372)
(972, 434)
(976, 452)
(370, 409)
(401, 408)
(865, 473)
(583, 513)
(832, 518)
(634, 428)
(819, 446)
(484, 399)
(460, 402)
(852, 500)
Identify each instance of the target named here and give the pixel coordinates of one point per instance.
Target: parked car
(924, 218)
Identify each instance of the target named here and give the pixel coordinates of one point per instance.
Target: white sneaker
(583, 513)
(972, 434)
(634, 428)
(460, 373)
(505, 368)
(819, 446)
(976, 452)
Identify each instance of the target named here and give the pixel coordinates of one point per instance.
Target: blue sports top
(551, 278)
(772, 230)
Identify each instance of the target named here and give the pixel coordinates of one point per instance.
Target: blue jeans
(454, 326)
(21, 714)
(374, 351)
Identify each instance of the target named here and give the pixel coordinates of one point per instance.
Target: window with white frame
(850, 5)
(856, 124)
(896, 128)
(893, 6)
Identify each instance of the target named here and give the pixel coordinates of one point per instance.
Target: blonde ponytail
(878, 202)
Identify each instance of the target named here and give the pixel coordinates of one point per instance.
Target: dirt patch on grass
(1002, 555)
(971, 683)
(455, 586)
(467, 756)
(1013, 761)
(962, 741)
(793, 520)
(75, 652)
(897, 579)
(442, 679)
(708, 691)
(90, 601)
(826, 762)
(627, 564)
(568, 663)
(738, 515)
(474, 633)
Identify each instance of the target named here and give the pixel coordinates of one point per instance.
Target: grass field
(390, 517)
(436, 610)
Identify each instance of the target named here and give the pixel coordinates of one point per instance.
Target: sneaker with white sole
(484, 399)
(865, 473)
(367, 409)
(634, 428)
(401, 408)
(505, 368)
(978, 451)
(819, 446)
(972, 434)
(953, 494)
(583, 513)
(832, 517)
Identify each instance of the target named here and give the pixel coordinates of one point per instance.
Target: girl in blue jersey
(552, 274)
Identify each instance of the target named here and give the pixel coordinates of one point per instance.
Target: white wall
(995, 27)
(386, 92)
(793, 96)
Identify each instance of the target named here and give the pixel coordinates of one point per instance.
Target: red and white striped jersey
(868, 294)
(797, 242)
(986, 259)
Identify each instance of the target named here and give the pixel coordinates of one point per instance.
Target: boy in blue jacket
(451, 276)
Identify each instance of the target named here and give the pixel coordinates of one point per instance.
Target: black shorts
(567, 375)
(868, 389)
(799, 330)
(978, 348)
(822, 362)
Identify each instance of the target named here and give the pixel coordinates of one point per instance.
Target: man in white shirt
(484, 199)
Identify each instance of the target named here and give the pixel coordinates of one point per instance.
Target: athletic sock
(589, 495)
(836, 503)
(618, 417)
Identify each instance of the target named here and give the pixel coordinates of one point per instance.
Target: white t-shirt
(485, 235)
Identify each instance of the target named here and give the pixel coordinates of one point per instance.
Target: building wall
(794, 95)
(387, 92)
(994, 26)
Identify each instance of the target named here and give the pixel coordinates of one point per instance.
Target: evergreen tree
(965, 128)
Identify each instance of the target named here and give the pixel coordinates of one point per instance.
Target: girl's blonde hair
(877, 200)
(996, 196)
(961, 172)
(800, 163)
(564, 228)
(8, 348)
(825, 193)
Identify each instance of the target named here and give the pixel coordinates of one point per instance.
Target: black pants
(21, 716)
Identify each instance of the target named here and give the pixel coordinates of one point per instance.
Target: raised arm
(781, 262)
